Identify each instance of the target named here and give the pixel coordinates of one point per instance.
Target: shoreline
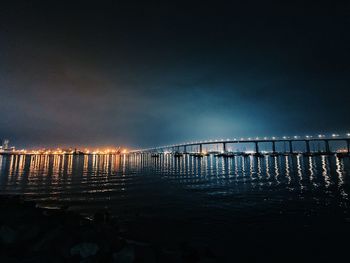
(31, 233)
(58, 235)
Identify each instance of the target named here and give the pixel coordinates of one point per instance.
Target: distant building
(5, 144)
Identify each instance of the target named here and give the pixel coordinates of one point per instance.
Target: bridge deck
(255, 141)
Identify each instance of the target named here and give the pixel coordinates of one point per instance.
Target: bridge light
(307, 136)
(227, 139)
(242, 139)
(335, 135)
(348, 134)
(265, 138)
(256, 138)
(320, 136)
(284, 137)
(273, 138)
(295, 137)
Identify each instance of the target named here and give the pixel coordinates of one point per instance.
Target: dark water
(202, 201)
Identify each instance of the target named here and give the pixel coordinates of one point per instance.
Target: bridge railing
(256, 140)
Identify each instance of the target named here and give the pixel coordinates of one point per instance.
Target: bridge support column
(291, 147)
(185, 149)
(307, 143)
(348, 146)
(326, 143)
(224, 147)
(256, 147)
(273, 147)
(200, 148)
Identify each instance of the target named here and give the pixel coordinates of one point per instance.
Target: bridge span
(183, 148)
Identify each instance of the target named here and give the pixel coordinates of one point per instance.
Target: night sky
(143, 74)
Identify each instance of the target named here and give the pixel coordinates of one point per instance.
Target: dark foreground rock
(29, 233)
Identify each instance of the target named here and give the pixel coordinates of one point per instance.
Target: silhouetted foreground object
(32, 234)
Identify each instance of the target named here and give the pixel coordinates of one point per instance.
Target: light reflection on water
(180, 187)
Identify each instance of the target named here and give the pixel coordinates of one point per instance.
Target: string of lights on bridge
(273, 138)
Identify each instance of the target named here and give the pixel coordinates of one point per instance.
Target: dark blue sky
(142, 74)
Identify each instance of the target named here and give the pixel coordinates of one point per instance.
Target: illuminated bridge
(196, 147)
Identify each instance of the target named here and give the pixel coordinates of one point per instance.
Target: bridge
(182, 148)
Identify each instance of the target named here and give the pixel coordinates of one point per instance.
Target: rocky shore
(29, 233)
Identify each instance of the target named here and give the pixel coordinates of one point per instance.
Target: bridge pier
(256, 147)
(273, 147)
(348, 146)
(185, 149)
(224, 147)
(290, 147)
(200, 148)
(307, 144)
(326, 143)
